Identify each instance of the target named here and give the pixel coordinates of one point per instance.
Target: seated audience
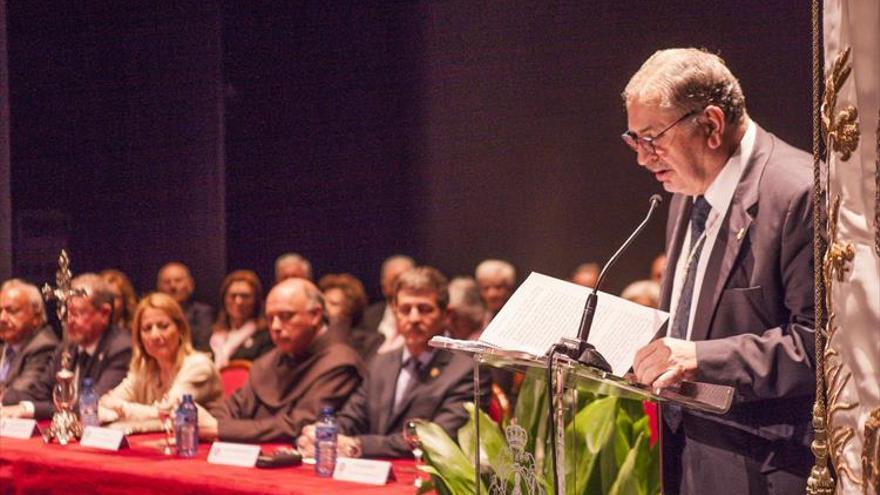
(644, 292)
(658, 266)
(586, 274)
(496, 279)
(100, 350)
(26, 340)
(124, 297)
(378, 316)
(287, 387)
(176, 280)
(467, 317)
(240, 331)
(467, 311)
(292, 265)
(345, 299)
(163, 367)
(415, 381)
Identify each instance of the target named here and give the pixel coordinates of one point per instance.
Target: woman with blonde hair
(124, 296)
(163, 368)
(240, 331)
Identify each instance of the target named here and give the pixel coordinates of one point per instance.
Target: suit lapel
(424, 380)
(732, 236)
(679, 214)
(387, 387)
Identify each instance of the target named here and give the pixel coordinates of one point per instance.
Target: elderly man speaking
(738, 283)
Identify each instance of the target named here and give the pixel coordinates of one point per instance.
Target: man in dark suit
(176, 280)
(26, 341)
(99, 350)
(738, 283)
(286, 388)
(415, 381)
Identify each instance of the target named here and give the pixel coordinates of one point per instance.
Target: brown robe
(284, 393)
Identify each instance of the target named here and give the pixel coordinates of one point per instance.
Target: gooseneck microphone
(586, 353)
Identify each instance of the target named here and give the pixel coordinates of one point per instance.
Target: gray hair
(291, 258)
(688, 80)
(424, 278)
(464, 295)
(397, 258)
(98, 291)
(642, 289)
(31, 292)
(496, 268)
(314, 296)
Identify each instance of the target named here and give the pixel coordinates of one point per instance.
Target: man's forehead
(12, 297)
(286, 298)
(409, 295)
(173, 271)
(647, 116)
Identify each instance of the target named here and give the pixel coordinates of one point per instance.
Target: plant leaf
(442, 453)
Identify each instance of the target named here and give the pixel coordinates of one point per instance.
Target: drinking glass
(411, 436)
(165, 407)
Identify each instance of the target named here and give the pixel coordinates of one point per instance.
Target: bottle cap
(327, 410)
(187, 398)
(88, 382)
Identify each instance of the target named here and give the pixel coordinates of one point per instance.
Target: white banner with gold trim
(850, 113)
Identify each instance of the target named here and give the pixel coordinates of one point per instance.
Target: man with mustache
(415, 381)
(738, 283)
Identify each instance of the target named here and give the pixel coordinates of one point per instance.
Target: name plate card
(234, 454)
(103, 438)
(21, 429)
(362, 470)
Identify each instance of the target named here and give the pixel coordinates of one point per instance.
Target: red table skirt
(30, 466)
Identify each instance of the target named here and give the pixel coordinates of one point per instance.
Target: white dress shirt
(719, 194)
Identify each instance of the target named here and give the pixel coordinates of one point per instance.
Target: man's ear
(714, 125)
(106, 310)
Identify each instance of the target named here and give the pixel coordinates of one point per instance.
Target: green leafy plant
(607, 447)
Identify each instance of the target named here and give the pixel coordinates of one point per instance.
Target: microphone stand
(585, 353)
(582, 351)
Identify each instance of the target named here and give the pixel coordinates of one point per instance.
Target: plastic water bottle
(88, 404)
(186, 427)
(325, 443)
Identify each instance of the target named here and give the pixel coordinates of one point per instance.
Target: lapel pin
(741, 233)
(435, 372)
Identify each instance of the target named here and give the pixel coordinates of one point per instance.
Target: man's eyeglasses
(636, 142)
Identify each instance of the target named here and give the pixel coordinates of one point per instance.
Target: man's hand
(348, 446)
(305, 442)
(207, 425)
(666, 362)
(345, 446)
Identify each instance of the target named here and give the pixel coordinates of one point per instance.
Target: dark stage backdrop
(5, 202)
(224, 133)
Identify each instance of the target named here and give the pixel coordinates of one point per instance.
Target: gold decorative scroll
(834, 266)
(841, 131)
(871, 452)
(877, 192)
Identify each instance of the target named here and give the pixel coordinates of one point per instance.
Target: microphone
(586, 353)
